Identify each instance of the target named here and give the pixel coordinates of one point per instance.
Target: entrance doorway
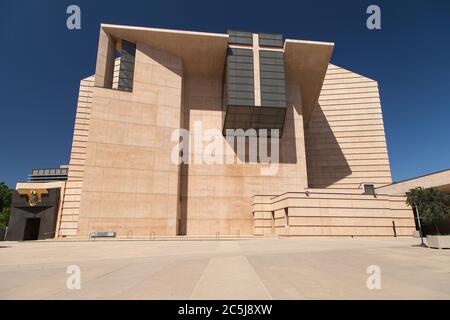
(31, 231)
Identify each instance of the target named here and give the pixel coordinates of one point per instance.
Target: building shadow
(326, 163)
(163, 58)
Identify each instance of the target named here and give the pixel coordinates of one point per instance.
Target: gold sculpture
(34, 196)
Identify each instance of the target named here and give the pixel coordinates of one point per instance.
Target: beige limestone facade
(122, 177)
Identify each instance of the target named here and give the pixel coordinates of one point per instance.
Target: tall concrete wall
(72, 197)
(130, 185)
(345, 138)
(218, 198)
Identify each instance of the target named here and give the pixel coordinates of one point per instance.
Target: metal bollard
(395, 229)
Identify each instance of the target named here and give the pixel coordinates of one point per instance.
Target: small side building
(439, 180)
(36, 205)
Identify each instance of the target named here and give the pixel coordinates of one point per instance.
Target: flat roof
(204, 54)
(439, 180)
(424, 175)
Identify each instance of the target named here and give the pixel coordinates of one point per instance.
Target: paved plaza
(283, 268)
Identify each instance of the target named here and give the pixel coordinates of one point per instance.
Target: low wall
(325, 212)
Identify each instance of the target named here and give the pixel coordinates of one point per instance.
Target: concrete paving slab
(277, 268)
(230, 278)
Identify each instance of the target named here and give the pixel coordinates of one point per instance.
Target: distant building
(46, 175)
(439, 180)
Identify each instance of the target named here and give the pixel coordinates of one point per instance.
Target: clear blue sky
(42, 63)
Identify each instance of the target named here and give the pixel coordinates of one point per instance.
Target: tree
(432, 204)
(5, 204)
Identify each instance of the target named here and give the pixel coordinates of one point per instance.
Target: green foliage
(5, 204)
(432, 204)
(4, 217)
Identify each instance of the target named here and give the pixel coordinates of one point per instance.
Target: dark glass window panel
(127, 61)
